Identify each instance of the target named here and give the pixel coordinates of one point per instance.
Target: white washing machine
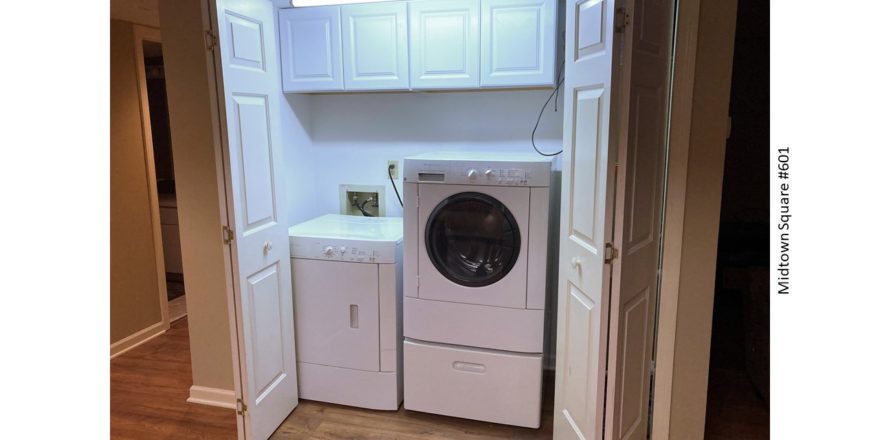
(347, 283)
(475, 244)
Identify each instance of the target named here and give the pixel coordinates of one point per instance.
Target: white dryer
(347, 284)
(475, 245)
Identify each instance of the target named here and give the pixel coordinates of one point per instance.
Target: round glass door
(472, 239)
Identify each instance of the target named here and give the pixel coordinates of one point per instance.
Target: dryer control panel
(356, 251)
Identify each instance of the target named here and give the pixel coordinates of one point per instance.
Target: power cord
(390, 168)
(559, 80)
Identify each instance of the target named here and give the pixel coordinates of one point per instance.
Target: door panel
(585, 157)
(255, 154)
(586, 220)
(642, 183)
(374, 46)
(249, 80)
(445, 44)
(264, 292)
(580, 385)
(245, 38)
(641, 176)
(311, 45)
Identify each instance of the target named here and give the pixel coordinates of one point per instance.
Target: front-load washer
(347, 283)
(475, 244)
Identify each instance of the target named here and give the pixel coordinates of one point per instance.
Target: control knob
(328, 250)
(472, 174)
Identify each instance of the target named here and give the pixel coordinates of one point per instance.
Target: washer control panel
(498, 176)
(478, 172)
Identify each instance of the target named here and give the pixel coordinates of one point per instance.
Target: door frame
(702, 60)
(699, 101)
(145, 33)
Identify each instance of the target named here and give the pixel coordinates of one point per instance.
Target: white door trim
(141, 34)
(695, 170)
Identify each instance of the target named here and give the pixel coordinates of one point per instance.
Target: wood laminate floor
(148, 390)
(149, 386)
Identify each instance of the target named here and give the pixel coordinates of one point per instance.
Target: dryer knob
(488, 174)
(472, 174)
(328, 250)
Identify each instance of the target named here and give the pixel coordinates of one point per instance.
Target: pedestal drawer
(489, 385)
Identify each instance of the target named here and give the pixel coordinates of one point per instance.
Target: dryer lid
(387, 229)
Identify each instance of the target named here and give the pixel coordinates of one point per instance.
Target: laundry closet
(447, 114)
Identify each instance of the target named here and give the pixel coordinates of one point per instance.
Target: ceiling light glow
(306, 3)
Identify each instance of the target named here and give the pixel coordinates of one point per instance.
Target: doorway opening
(163, 162)
(738, 401)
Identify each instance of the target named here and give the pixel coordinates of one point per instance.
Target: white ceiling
(136, 11)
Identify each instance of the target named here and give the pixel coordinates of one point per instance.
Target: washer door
(472, 239)
(472, 244)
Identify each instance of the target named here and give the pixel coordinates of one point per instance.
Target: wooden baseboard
(211, 396)
(123, 345)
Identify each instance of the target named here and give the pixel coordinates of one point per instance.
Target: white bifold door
(616, 94)
(249, 83)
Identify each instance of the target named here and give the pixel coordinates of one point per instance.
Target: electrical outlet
(394, 168)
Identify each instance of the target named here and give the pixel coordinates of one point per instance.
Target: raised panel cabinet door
(311, 49)
(518, 43)
(444, 44)
(374, 46)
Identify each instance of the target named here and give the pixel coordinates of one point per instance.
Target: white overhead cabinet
(311, 49)
(374, 46)
(518, 41)
(444, 44)
(419, 45)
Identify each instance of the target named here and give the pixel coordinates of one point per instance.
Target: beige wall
(199, 194)
(134, 285)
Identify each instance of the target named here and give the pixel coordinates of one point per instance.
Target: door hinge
(610, 253)
(621, 19)
(228, 235)
(210, 40)
(240, 407)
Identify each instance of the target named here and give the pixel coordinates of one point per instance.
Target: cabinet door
(311, 49)
(374, 46)
(444, 44)
(518, 43)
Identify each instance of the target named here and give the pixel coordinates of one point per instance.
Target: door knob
(575, 263)
(267, 246)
